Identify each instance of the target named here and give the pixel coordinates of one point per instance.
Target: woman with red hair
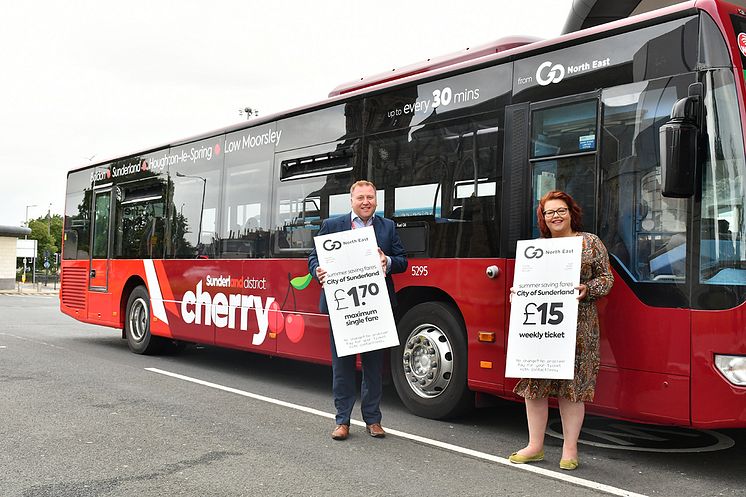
(559, 215)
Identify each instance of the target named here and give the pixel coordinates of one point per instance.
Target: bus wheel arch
(132, 283)
(429, 367)
(137, 323)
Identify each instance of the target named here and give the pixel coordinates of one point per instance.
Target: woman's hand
(512, 291)
(583, 291)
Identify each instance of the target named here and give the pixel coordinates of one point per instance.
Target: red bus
(205, 240)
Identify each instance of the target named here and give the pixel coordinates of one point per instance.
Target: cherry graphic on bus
(291, 322)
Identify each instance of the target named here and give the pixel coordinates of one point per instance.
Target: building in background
(8, 238)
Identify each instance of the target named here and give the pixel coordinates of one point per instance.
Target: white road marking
(32, 341)
(435, 443)
(16, 294)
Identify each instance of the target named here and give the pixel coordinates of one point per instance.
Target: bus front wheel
(137, 323)
(429, 366)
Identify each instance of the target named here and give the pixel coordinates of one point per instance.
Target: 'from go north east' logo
(330, 245)
(555, 74)
(532, 252)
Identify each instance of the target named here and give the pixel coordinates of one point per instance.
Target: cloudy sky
(91, 80)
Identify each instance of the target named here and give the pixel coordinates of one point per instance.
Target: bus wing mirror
(678, 146)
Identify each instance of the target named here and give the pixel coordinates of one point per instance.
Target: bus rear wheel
(137, 324)
(429, 367)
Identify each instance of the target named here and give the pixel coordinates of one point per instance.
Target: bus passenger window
(307, 181)
(564, 129)
(140, 220)
(418, 200)
(441, 179)
(300, 218)
(194, 201)
(245, 227)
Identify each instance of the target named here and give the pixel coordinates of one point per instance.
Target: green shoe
(518, 459)
(569, 464)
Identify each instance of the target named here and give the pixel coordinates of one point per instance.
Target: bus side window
(442, 183)
(195, 193)
(300, 219)
(312, 184)
(245, 226)
(140, 220)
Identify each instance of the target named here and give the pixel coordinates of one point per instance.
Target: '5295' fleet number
(419, 271)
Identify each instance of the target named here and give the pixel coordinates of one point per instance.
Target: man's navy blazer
(387, 239)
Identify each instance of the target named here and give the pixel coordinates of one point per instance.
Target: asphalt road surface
(82, 416)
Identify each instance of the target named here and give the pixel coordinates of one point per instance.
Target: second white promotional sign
(544, 309)
(356, 294)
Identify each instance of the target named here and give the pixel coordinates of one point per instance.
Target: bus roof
(468, 54)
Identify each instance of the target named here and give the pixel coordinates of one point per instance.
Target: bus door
(558, 141)
(563, 152)
(99, 267)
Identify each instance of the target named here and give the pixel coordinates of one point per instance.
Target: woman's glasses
(561, 212)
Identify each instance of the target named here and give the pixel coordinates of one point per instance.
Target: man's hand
(384, 260)
(321, 275)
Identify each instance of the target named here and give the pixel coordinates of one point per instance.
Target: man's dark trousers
(343, 385)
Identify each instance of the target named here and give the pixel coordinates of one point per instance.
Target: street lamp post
(33, 205)
(49, 219)
(249, 112)
(25, 268)
(202, 207)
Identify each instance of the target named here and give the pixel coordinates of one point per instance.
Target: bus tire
(429, 367)
(137, 324)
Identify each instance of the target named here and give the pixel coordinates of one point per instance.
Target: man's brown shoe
(341, 432)
(375, 430)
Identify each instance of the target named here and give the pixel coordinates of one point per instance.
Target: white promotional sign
(355, 289)
(544, 309)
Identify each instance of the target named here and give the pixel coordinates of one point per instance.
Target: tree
(47, 231)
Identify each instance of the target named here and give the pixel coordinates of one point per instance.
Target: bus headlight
(733, 368)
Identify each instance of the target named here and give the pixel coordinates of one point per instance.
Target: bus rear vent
(72, 290)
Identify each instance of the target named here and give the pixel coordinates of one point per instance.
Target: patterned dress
(595, 272)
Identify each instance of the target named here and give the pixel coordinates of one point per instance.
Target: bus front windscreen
(723, 213)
